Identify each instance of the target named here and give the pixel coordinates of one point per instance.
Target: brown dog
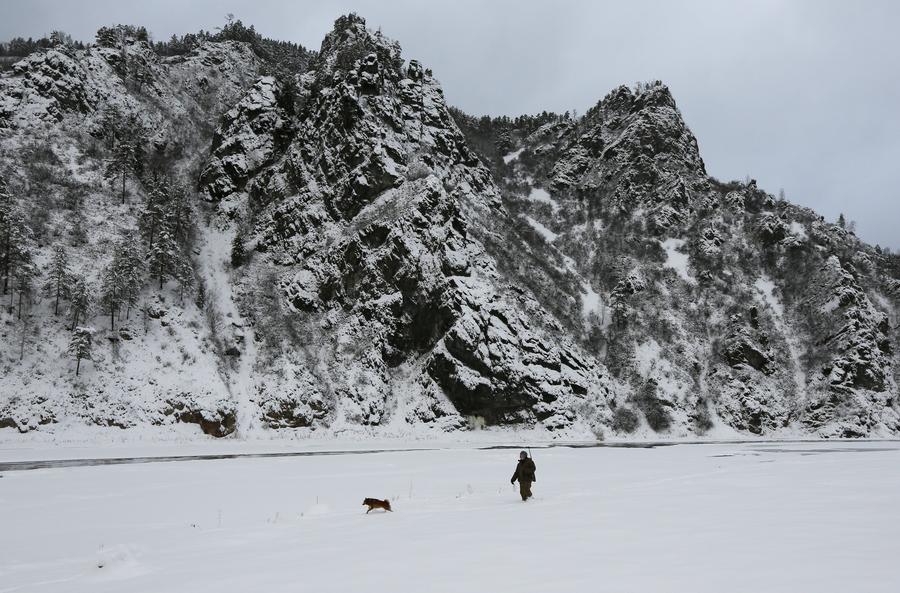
(374, 503)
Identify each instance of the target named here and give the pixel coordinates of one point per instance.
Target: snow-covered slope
(158, 363)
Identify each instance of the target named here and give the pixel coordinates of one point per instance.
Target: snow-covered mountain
(717, 301)
(334, 249)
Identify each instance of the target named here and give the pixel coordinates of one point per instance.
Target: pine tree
(111, 293)
(121, 163)
(153, 214)
(25, 326)
(110, 124)
(123, 278)
(178, 214)
(61, 39)
(136, 136)
(842, 222)
(58, 274)
(77, 231)
(131, 267)
(163, 258)
(26, 273)
(8, 222)
(81, 300)
(237, 251)
(200, 301)
(184, 273)
(17, 257)
(80, 345)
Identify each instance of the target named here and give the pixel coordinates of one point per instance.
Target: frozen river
(750, 517)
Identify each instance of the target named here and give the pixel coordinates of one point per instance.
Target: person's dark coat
(524, 471)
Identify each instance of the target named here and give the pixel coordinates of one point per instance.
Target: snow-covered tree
(15, 236)
(153, 214)
(16, 251)
(117, 36)
(166, 224)
(61, 39)
(184, 273)
(237, 251)
(110, 126)
(123, 278)
(167, 206)
(80, 346)
(80, 300)
(111, 293)
(200, 299)
(164, 258)
(5, 235)
(58, 275)
(179, 214)
(129, 261)
(25, 275)
(121, 163)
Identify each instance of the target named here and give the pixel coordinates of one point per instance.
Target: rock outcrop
(191, 91)
(247, 139)
(371, 216)
(758, 310)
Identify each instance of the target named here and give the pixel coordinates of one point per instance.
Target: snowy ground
(715, 517)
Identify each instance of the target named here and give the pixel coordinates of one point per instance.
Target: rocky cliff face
(368, 221)
(594, 280)
(63, 87)
(721, 303)
(249, 137)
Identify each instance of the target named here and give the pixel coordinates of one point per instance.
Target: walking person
(525, 475)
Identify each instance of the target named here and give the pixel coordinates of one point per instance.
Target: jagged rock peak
(634, 153)
(351, 47)
(367, 124)
(652, 94)
(649, 121)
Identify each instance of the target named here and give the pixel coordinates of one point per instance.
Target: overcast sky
(802, 95)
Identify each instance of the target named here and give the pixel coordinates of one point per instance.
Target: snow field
(546, 233)
(719, 517)
(538, 194)
(677, 260)
(510, 157)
